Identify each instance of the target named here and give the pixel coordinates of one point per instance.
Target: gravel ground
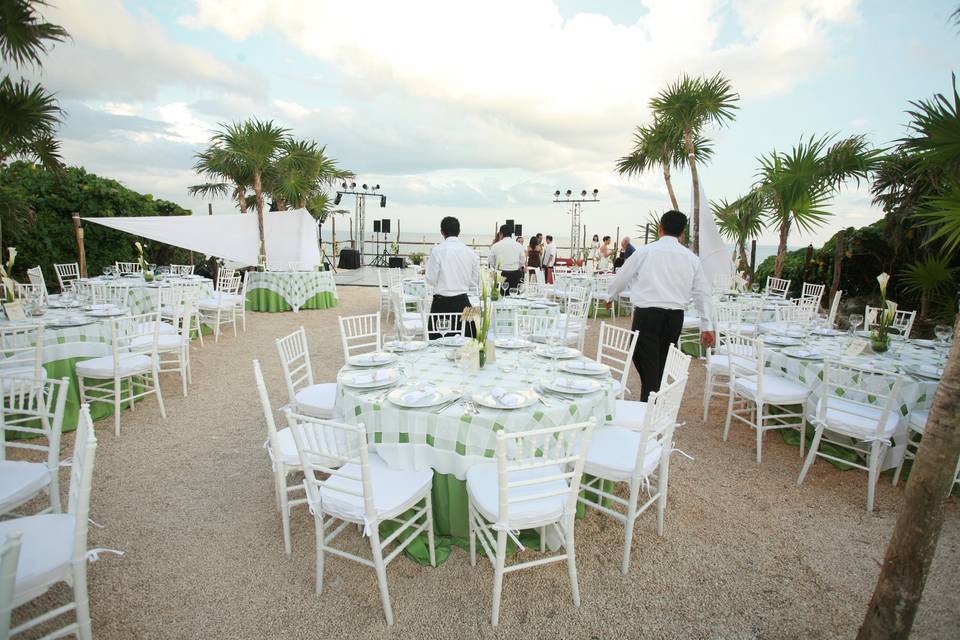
(745, 553)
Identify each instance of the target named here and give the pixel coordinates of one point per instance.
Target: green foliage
(416, 257)
(53, 197)
(934, 280)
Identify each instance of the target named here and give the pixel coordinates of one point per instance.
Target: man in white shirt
(662, 278)
(452, 269)
(549, 260)
(507, 255)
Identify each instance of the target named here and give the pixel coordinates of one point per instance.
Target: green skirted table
(290, 290)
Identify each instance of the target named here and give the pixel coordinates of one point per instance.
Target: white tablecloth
(296, 287)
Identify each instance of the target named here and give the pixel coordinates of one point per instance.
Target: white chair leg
(811, 454)
(116, 404)
(79, 575)
(628, 527)
(320, 536)
(662, 484)
(381, 570)
(759, 426)
(285, 513)
(707, 392)
(569, 545)
(876, 453)
(156, 387)
(431, 546)
(473, 537)
(726, 425)
(499, 562)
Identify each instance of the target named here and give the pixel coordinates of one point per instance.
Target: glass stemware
(855, 321)
(944, 334)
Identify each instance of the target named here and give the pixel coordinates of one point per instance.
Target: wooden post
(807, 259)
(753, 260)
(838, 251)
(209, 208)
(78, 231)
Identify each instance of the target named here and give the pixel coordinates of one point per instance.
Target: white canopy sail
(715, 257)
(291, 236)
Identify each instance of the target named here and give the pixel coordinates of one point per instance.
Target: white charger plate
(802, 353)
(370, 379)
(516, 399)
(780, 341)
(586, 368)
(560, 353)
(419, 397)
(452, 341)
(511, 343)
(106, 313)
(578, 386)
(405, 345)
(373, 359)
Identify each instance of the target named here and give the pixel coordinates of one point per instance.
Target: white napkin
(369, 376)
(504, 397)
(374, 357)
(574, 383)
(587, 365)
(416, 395)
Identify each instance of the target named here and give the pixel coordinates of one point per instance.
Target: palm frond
(935, 124)
(24, 36)
(27, 114)
(943, 216)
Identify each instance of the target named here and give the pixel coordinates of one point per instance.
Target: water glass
(855, 321)
(944, 333)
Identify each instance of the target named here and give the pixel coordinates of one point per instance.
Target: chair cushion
(857, 420)
(629, 413)
(317, 400)
(483, 491)
(394, 490)
(742, 328)
(165, 342)
(613, 454)
(288, 453)
(212, 304)
(19, 480)
(164, 328)
(691, 322)
(720, 363)
(776, 389)
(19, 372)
(46, 551)
(918, 419)
(103, 367)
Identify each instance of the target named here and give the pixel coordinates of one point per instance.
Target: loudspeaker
(376, 226)
(518, 230)
(509, 224)
(385, 225)
(395, 262)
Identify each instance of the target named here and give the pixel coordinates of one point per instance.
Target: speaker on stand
(383, 257)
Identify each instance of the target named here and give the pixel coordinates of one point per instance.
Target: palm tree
(740, 221)
(226, 176)
(301, 172)
(29, 115)
(687, 106)
(796, 187)
(659, 146)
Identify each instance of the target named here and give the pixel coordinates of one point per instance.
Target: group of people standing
(516, 260)
(605, 255)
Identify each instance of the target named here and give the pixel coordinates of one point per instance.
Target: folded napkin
(587, 365)
(375, 357)
(574, 383)
(370, 376)
(506, 398)
(805, 353)
(416, 395)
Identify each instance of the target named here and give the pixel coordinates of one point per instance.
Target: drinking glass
(944, 334)
(755, 287)
(855, 321)
(504, 287)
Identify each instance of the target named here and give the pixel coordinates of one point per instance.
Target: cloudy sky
(483, 109)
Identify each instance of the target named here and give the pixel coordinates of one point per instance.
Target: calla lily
(13, 255)
(883, 279)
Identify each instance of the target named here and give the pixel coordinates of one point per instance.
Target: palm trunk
(669, 182)
(258, 192)
(743, 255)
(242, 199)
(782, 247)
(908, 557)
(695, 176)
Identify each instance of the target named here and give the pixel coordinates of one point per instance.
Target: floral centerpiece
(481, 317)
(144, 267)
(9, 286)
(880, 337)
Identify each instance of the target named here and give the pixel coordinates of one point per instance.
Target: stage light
(337, 199)
(556, 194)
(595, 192)
(383, 202)
(583, 194)
(365, 187)
(353, 185)
(569, 193)
(344, 185)
(376, 187)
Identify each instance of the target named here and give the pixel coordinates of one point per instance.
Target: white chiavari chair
(727, 320)
(21, 351)
(902, 320)
(35, 275)
(303, 394)
(134, 360)
(225, 280)
(690, 330)
(916, 424)
(801, 312)
(813, 292)
(615, 347)
(284, 460)
(54, 545)
(754, 392)
(173, 334)
(66, 273)
(410, 325)
(31, 407)
(834, 307)
(346, 482)
(181, 269)
(360, 334)
(572, 325)
(383, 288)
(533, 484)
(777, 287)
(29, 292)
(299, 266)
(641, 458)
(240, 304)
(444, 325)
(632, 413)
(503, 321)
(600, 294)
(221, 309)
(859, 404)
(127, 267)
(9, 558)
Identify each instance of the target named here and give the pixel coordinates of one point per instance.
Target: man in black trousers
(506, 255)
(662, 277)
(452, 268)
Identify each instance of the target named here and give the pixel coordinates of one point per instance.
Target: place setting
(372, 359)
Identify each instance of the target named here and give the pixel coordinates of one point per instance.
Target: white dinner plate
(827, 332)
(586, 368)
(577, 386)
(371, 378)
(375, 359)
(57, 304)
(65, 323)
(404, 345)
(106, 313)
(504, 399)
(926, 344)
(802, 353)
(560, 353)
(780, 341)
(425, 396)
(452, 341)
(511, 343)
(928, 371)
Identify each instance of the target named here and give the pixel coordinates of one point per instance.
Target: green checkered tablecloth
(915, 392)
(142, 297)
(290, 290)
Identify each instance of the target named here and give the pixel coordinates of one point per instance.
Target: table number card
(15, 310)
(856, 348)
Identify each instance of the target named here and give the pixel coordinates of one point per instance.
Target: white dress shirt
(506, 255)
(550, 255)
(453, 268)
(667, 275)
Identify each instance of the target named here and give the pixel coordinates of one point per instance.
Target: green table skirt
(267, 300)
(451, 522)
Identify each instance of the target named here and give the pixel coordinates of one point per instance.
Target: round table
(290, 290)
(451, 441)
(141, 295)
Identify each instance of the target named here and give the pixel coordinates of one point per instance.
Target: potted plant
(880, 337)
(417, 258)
(144, 267)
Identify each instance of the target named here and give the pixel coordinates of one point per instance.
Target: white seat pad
(483, 491)
(288, 448)
(20, 372)
(691, 322)
(629, 413)
(720, 363)
(858, 420)
(165, 342)
(776, 389)
(103, 367)
(918, 419)
(19, 480)
(46, 550)
(317, 400)
(613, 454)
(212, 304)
(163, 328)
(394, 490)
(742, 328)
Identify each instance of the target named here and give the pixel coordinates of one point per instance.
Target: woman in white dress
(606, 250)
(595, 250)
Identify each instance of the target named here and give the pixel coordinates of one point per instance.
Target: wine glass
(944, 333)
(504, 287)
(755, 287)
(856, 320)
